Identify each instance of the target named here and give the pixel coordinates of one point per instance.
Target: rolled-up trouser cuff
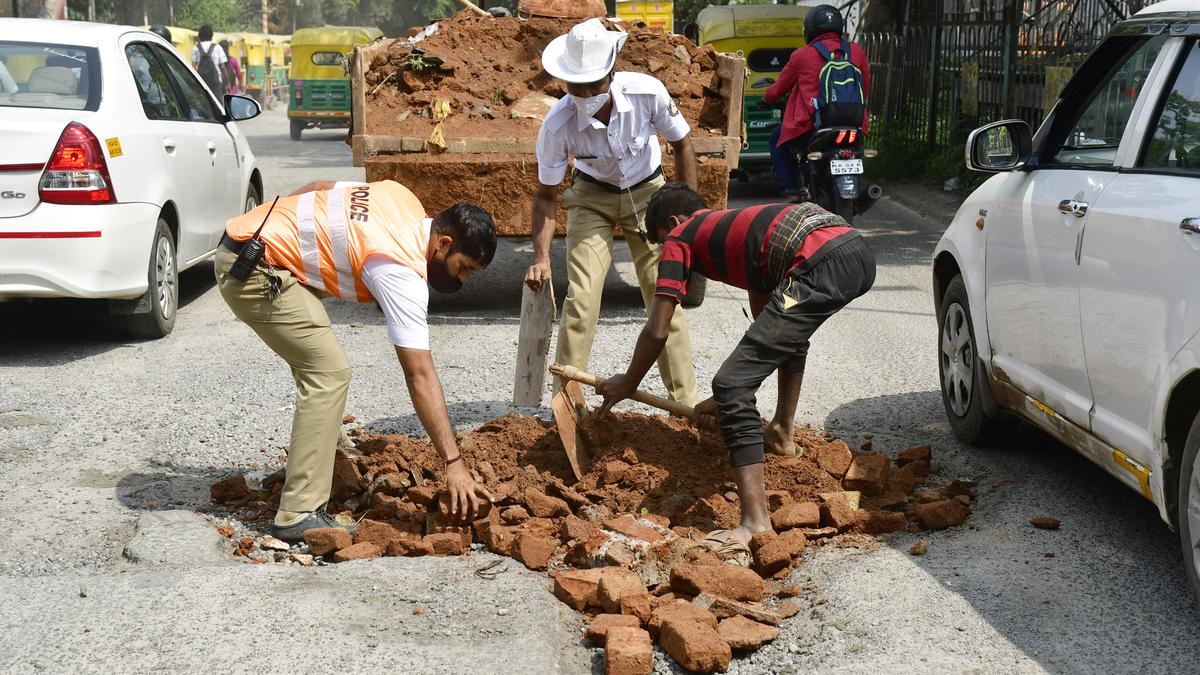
(746, 454)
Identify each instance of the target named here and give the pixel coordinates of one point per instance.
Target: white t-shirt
(622, 153)
(218, 56)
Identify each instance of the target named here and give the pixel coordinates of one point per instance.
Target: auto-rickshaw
(184, 40)
(280, 49)
(765, 35)
(320, 79)
(258, 75)
(655, 13)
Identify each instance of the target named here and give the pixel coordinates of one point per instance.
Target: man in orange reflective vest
(356, 241)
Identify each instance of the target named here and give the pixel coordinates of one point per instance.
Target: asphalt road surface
(102, 438)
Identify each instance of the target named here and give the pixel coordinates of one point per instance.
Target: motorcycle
(832, 168)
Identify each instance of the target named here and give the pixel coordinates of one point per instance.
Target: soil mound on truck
(485, 67)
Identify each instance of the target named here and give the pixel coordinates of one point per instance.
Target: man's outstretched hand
(706, 414)
(465, 493)
(614, 390)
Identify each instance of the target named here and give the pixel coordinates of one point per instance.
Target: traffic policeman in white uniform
(609, 124)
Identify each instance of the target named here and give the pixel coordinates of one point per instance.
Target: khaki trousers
(295, 326)
(592, 212)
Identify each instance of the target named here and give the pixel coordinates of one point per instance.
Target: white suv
(1066, 286)
(118, 167)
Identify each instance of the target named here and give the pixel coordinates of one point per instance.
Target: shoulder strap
(822, 50)
(846, 49)
(208, 52)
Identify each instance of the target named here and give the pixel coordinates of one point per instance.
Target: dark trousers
(779, 337)
(784, 163)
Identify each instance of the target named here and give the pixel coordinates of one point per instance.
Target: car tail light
(77, 172)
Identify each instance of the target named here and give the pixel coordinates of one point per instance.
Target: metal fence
(959, 63)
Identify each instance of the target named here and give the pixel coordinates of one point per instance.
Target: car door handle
(212, 148)
(1190, 225)
(1073, 207)
(169, 145)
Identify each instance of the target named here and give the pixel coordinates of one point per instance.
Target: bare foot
(777, 439)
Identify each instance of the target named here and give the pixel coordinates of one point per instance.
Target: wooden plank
(737, 84)
(533, 344)
(363, 55)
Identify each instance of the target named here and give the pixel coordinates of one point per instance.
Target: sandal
(728, 547)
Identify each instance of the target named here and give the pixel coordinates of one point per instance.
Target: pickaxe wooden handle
(474, 8)
(673, 407)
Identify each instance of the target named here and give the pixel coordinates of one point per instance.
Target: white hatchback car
(1065, 285)
(118, 167)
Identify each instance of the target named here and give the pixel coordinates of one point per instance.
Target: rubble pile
(490, 71)
(623, 544)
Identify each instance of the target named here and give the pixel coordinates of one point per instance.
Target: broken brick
(226, 530)
(637, 604)
(410, 548)
(868, 474)
(421, 496)
(835, 458)
(447, 543)
(695, 645)
(742, 634)
(883, 522)
(957, 488)
(577, 588)
(364, 551)
(514, 515)
(569, 495)
(679, 608)
(890, 500)
(588, 552)
(348, 481)
(630, 527)
(599, 627)
(379, 533)
(836, 512)
(723, 608)
(852, 497)
(727, 581)
(620, 555)
(326, 540)
(776, 499)
(533, 550)
(229, 489)
(943, 514)
(628, 651)
(542, 505)
(776, 552)
(574, 527)
(615, 584)
(614, 471)
(788, 609)
(919, 547)
(1043, 523)
(918, 454)
(804, 514)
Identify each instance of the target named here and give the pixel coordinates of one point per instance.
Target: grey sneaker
(318, 519)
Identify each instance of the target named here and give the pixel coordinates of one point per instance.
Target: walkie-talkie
(252, 251)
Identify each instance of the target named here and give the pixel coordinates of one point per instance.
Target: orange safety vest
(323, 238)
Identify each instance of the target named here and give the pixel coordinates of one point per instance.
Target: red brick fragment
(943, 514)
(918, 454)
(630, 527)
(226, 530)
(836, 512)
(834, 458)
(883, 522)
(615, 584)
(599, 627)
(776, 499)
(410, 548)
(804, 514)
(677, 607)
(447, 543)
(695, 645)
(533, 550)
(422, 496)
(379, 533)
(326, 540)
(1043, 523)
(628, 651)
(574, 527)
(542, 505)
(364, 551)
(577, 588)
(868, 474)
(637, 604)
(742, 634)
(727, 581)
(229, 489)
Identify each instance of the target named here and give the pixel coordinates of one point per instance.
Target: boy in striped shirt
(800, 265)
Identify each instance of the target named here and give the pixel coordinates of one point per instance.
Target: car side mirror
(241, 107)
(1000, 146)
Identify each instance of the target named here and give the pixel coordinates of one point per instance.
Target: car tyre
(960, 370)
(1188, 508)
(163, 290)
(697, 286)
(253, 199)
(297, 129)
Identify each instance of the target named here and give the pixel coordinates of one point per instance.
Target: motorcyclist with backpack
(828, 81)
(211, 62)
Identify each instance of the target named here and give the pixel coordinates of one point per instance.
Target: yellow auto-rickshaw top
(734, 21)
(335, 35)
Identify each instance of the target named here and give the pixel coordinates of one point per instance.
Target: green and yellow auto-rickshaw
(320, 78)
(184, 40)
(765, 35)
(280, 52)
(258, 75)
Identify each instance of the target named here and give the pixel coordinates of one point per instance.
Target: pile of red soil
(622, 543)
(483, 66)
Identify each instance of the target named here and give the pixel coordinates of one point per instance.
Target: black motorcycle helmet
(823, 19)
(161, 31)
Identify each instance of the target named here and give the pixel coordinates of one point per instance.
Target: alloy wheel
(165, 278)
(1193, 510)
(958, 359)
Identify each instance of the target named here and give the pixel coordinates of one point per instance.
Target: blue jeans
(784, 164)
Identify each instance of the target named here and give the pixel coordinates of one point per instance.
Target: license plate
(843, 167)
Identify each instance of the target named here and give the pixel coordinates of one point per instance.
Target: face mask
(441, 279)
(590, 105)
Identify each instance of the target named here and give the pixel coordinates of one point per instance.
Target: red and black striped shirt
(752, 248)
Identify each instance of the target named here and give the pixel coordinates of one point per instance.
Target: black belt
(613, 188)
(231, 243)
